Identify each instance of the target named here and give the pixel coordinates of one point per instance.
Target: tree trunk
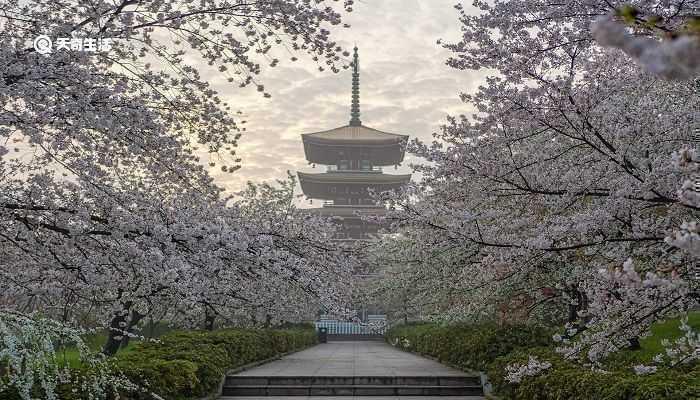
(581, 304)
(136, 317)
(634, 344)
(151, 328)
(116, 331)
(573, 308)
(209, 318)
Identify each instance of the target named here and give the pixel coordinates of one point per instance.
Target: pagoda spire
(355, 105)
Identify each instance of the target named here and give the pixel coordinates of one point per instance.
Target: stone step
(237, 380)
(353, 338)
(352, 390)
(354, 398)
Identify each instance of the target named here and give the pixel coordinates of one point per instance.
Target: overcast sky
(405, 88)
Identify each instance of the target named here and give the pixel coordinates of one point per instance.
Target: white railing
(334, 168)
(374, 327)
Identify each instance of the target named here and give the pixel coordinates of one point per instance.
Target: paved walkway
(357, 398)
(361, 358)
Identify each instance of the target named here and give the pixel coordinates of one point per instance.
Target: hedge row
(565, 380)
(468, 347)
(491, 349)
(191, 364)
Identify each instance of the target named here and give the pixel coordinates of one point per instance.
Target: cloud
(405, 88)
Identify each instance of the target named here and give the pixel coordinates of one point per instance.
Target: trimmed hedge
(468, 347)
(191, 364)
(490, 348)
(565, 380)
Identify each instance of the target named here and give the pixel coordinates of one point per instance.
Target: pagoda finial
(355, 106)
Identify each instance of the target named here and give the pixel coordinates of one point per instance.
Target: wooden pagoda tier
(350, 219)
(349, 211)
(354, 143)
(349, 187)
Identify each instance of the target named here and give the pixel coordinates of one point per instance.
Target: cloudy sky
(405, 87)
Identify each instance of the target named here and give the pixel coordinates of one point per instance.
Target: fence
(372, 328)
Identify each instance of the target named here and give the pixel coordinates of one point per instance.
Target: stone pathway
(353, 359)
(357, 398)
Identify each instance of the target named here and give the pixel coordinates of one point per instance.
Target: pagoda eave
(360, 178)
(331, 186)
(310, 138)
(354, 142)
(349, 212)
(380, 155)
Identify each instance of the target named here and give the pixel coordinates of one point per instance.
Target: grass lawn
(71, 356)
(667, 330)
(651, 345)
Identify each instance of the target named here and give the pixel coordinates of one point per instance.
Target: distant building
(354, 156)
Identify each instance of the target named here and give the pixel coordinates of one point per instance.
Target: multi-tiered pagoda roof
(354, 155)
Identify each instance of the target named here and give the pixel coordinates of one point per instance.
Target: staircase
(277, 386)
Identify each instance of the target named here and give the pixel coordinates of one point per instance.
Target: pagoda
(354, 155)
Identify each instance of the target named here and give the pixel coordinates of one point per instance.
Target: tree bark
(634, 344)
(116, 331)
(209, 318)
(136, 317)
(581, 304)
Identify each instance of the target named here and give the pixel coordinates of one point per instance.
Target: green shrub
(565, 380)
(469, 347)
(188, 364)
(73, 390)
(491, 348)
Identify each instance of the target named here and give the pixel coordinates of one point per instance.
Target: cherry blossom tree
(568, 169)
(143, 102)
(107, 212)
(28, 347)
(675, 57)
(290, 265)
